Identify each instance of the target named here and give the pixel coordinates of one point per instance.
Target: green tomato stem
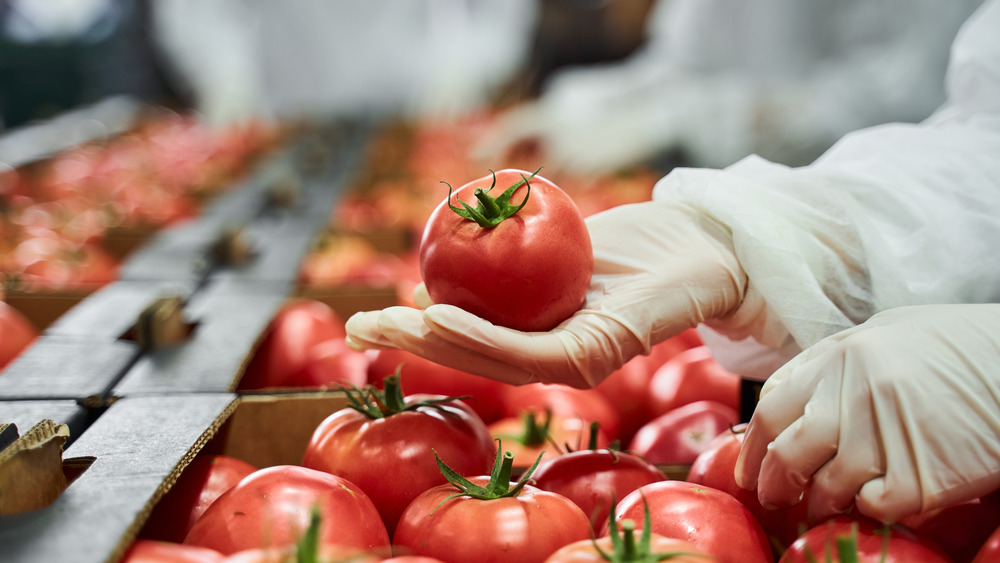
(491, 211)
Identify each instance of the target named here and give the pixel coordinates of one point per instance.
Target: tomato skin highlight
(526, 528)
(530, 272)
(271, 508)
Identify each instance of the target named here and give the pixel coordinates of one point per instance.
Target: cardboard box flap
(138, 447)
(31, 474)
(113, 310)
(24, 414)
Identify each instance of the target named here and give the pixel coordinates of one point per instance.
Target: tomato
(586, 404)
(270, 508)
(678, 436)
(874, 543)
(16, 334)
(693, 375)
(285, 347)
(712, 520)
(959, 529)
(627, 388)
(203, 481)
(715, 467)
(387, 445)
(330, 363)
(152, 551)
(534, 434)
(420, 375)
(990, 550)
(529, 272)
(595, 478)
(489, 519)
(625, 547)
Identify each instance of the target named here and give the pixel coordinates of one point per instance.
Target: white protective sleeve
(899, 214)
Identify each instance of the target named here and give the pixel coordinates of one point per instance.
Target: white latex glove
(899, 415)
(659, 268)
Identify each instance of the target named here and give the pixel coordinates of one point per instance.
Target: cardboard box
(22, 415)
(43, 308)
(137, 449)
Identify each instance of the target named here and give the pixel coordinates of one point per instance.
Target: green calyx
(307, 548)
(491, 211)
(625, 548)
(499, 485)
(373, 403)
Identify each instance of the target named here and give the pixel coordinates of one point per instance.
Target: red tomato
(203, 481)
(327, 554)
(532, 434)
(595, 478)
(875, 543)
(151, 551)
(16, 334)
(586, 404)
(716, 467)
(693, 375)
(529, 272)
(299, 326)
(420, 375)
(270, 508)
(586, 551)
(990, 550)
(678, 436)
(959, 529)
(712, 520)
(330, 364)
(511, 522)
(389, 450)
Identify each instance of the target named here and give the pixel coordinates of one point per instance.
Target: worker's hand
(659, 268)
(899, 415)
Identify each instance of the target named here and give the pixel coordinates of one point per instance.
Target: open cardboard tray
(135, 452)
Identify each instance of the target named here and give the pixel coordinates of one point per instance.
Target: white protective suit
(330, 58)
(723, 79)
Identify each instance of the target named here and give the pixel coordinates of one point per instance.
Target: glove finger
(859, 459)
(774, 413)
(421, 298)
(363, 332)
(405, 328)
(802, 448)
(579, 353)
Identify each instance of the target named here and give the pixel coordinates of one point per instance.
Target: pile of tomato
(56, 214)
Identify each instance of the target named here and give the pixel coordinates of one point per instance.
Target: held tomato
(595, 478)
(203, 481)
(874, 543)
(678, 436)
(716, 467)
(712, 520)
(529, 272)
(387, 445)
(271, 508)
(488, 519)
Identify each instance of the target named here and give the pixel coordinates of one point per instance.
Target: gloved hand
(899, 415)
(659, 268)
